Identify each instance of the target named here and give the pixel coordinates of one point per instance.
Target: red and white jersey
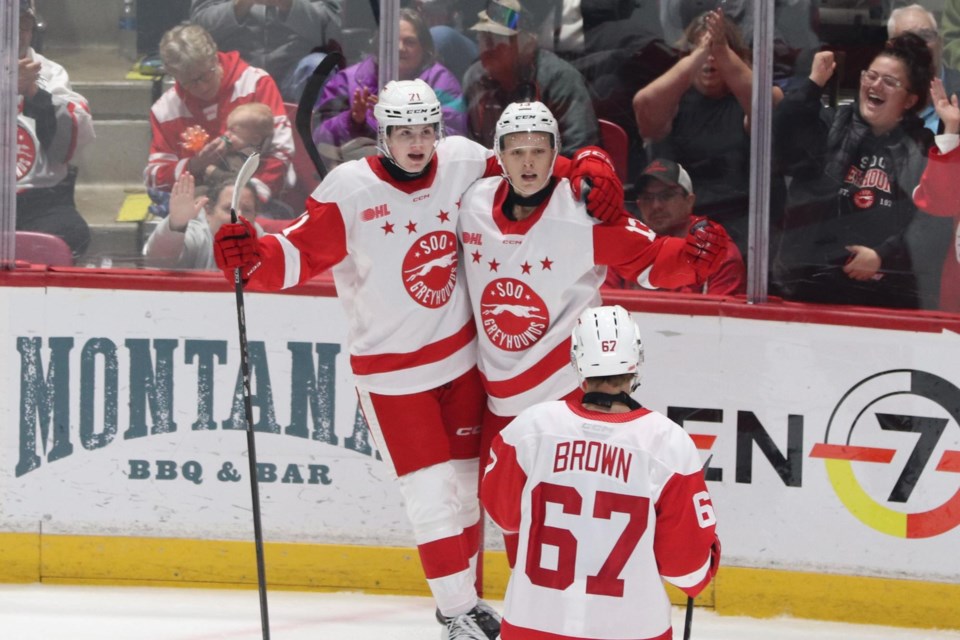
(530, 280)
(39, 166)
(937, 194)
(393, 249)
(605, 506)
(177, 110)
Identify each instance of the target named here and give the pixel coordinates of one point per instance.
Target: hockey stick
(332, 60)
(688, 617)
(246, 172)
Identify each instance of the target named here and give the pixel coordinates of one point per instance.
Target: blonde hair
(187, 46)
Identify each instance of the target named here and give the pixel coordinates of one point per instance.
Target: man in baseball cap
(665, 202)
(502, 17)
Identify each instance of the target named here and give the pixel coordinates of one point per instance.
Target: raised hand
(823, 67)
(363, 101)
(947, 107)
(184, 206)
(593, 177)
(28, 74)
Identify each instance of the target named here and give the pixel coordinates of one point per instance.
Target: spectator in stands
(184, 239)
(937, 193)
(346, 105)
(53, 122)
(513, 68)
(698, 114)
(918, 20)
(455, 51)
(849, 212)
(270, 34)
(665, 201)
(189, 121)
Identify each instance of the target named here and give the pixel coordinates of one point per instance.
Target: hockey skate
(462, 627)
(482, 616)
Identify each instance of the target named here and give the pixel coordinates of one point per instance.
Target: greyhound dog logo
(514, 316)
(429, 271)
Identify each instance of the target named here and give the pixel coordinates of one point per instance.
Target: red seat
(614, 140)
(271, 225)
(42, 248)
(307, 177)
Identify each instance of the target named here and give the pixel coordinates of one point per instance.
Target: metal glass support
(761, 119)
(389, 51)
(9, 33)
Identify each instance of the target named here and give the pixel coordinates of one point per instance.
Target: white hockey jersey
(605, 506)
(393, 249)
(530, 280)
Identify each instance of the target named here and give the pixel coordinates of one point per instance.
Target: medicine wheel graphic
(840, 454)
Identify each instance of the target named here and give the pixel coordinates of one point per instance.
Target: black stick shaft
(688, 617)
(251, 448)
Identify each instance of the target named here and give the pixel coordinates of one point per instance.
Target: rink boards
(834, 435)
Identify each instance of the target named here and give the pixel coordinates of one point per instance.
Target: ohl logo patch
(429, 269)
(27, 145)
(892, 453)
(514, 317)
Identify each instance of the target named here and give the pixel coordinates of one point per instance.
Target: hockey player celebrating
(531, 255)
(614, 490)
(386, 225)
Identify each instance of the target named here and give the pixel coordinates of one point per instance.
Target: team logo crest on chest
(429, 270)
(514, 316)
(27, 145)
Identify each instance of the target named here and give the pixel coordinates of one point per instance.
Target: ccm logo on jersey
(468, 431)
(379, 211)
(471, 238)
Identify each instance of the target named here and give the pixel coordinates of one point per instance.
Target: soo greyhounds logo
(514, 317)
(892, 453)
(429, 269)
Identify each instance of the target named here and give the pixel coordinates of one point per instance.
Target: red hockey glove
(706, 247)
(237, 246)
(593, 178)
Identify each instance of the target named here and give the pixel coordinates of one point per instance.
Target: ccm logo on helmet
(414, 112)
(526, 117)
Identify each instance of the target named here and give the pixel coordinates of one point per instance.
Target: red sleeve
(272, 171)
(937, 192)
(164, 153)
(316, 241)
(502, 486)
(631, 247)
(686, 533)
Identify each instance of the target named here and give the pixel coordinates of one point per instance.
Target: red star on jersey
(494, 265)
(546, 264)
(444, 216)
(387, 228)
(476, 256)
(411, 227)
(525, 267)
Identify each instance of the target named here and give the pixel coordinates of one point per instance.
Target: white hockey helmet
(526, 117)
(606, 342)
(404, 103)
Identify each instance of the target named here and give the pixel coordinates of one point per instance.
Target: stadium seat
(42, 248)
(613, 140)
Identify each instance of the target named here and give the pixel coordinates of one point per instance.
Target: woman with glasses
(851, 233)
(189, 121)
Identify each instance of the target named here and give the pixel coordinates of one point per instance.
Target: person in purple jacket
(345, 109)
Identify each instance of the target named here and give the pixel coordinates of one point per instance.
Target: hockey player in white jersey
(608, 499)
(534, 260)
(386, 226)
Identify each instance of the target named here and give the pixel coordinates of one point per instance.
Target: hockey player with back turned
(608, 499)
(386, 226)
(534, 261)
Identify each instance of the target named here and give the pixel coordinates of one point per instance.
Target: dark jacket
(851, 187)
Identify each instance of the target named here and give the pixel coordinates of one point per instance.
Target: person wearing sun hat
(513, 68)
